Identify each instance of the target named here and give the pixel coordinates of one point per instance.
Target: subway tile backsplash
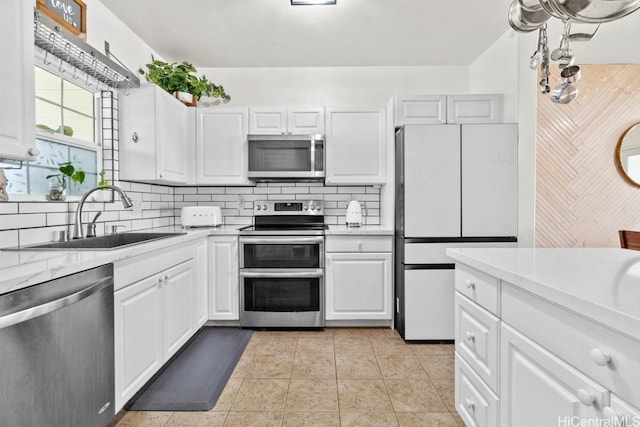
(24, 223)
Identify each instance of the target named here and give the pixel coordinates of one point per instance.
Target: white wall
(124, 44)
(334, 86)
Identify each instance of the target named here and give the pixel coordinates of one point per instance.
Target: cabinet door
(221, 146)
(267, 120)
(489, 180)
(171, 142)
(421, 110)
(305, 121)
(358, 286)
(223, 282)
(178, 283)
(355, 146)
(17, 111)
(538, 389)
(138, 336)
(474, 108)
(201, 303)
(432, 181)
(429, 305)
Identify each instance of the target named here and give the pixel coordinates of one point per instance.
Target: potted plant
(102, 195)
(58, 187)
(181, 78)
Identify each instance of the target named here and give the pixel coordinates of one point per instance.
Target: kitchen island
(547, 336)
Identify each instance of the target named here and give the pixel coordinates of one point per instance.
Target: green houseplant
(58, 187)
(182, 77)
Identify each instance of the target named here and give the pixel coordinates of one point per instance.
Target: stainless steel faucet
(77, 227)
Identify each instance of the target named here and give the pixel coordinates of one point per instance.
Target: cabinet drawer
(476, 404)
(139, 267)
(478, 287)
(477, 339)
(609, 358)
(359, 243)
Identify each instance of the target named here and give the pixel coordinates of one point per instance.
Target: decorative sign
(71, 14)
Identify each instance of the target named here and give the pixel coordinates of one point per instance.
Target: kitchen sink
(100, 243)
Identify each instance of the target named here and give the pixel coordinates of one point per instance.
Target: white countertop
(602, 284)
(362, 230)
(19, 269)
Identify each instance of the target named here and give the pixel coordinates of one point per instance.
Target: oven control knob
(258, 207)
(264, 207)
(304, 207)
(311, 207)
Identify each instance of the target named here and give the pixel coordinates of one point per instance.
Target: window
(65, 132)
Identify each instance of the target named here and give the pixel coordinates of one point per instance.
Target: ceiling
(272, 33)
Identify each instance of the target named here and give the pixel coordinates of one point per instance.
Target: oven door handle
(282, 273)
(280, 240)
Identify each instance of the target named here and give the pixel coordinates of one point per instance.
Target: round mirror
(628, 155)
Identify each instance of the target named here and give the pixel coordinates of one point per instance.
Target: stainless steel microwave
(286, 157)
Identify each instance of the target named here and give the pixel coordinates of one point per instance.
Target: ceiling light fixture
(307, 2)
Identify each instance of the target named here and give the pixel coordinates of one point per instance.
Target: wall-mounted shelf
(66, 46)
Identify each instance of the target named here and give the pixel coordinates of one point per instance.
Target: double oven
(282, 266)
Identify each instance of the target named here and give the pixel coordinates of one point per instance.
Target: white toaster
(201, 216)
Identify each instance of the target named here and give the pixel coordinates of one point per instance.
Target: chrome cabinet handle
(470, 284)
(469, 336)
(469, 404)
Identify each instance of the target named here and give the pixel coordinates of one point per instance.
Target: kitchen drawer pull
(470, 284)
(586, 397)
(469, 336)
(610, 414)
(469, 404)
(599, 357)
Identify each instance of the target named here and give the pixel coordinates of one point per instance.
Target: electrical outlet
(136, 198)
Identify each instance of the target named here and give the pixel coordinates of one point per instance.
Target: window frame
(60, 69)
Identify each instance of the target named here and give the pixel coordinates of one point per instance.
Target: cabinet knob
(470, 284)
(586, 397)
(469, 336)
(166, 278)
(360, 246)
(599, 357)
(33, 152)
(610, 414)
(469, 404)
(134, 137)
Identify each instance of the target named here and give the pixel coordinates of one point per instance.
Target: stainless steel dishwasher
(56, 352)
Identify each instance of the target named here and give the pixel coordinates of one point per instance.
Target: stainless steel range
(282, 266)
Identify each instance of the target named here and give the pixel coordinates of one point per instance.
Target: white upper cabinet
(420, 110)
(451, 109)
(474, 108)
(221, 146)
(355, 146)
(153, 136)
(17, 113)
(283, 120)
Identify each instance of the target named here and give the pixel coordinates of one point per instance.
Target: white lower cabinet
(223, 278)
(153, 314)
(358, 280)
(476, 404)
(539, 389)
(540, 363)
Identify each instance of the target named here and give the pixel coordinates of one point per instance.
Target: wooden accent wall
(581, 201)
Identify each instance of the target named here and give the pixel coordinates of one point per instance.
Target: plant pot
(186, 98)
(57, 192)
(101, 196)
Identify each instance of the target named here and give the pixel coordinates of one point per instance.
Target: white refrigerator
(456, 186)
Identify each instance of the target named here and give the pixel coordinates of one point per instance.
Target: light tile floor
(337, 377)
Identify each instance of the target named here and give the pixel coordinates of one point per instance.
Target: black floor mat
(194, 380)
